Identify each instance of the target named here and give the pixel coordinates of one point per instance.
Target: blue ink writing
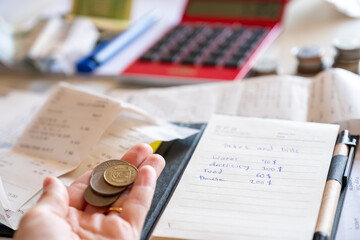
(289, 150)
(260, 182)
(215, 179)
(265, 149)
(234, 159)
(235, 146)
(213, 171)
(229, 165)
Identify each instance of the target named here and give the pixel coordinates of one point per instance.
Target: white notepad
(251, 178)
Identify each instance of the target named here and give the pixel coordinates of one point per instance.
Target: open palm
(63, 213)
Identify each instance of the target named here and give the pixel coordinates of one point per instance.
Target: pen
(107, 50)
(333, 187)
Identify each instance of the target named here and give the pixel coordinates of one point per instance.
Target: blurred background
(52, 36)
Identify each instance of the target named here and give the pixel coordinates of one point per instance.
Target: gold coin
(120, 175)
(97, 181)
(100, 186)
(98, 200)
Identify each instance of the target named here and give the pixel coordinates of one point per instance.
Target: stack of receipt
(71, 133)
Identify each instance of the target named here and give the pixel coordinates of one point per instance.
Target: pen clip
(351, 143)
(351, 156)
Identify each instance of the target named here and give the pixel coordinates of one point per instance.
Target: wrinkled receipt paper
(251, 178)
(72, 132)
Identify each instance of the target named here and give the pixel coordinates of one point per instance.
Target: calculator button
(225, 45)
(177, 48)
(195, 53)
(242, 50)
(214, 58)
(206, 45)
(181, 46)
(232, 63)
(246, 45)
(239, 31)
(216, 55)
(189, 60)
(222, 47)
(168, 58)
(236, 57)
(174, 52)
(149, 56)
(260, 32)
(191, 57)
(210, 62)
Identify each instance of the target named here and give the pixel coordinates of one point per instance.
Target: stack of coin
(347, 54)
(310, 59)
(265, 67)
(108, 180)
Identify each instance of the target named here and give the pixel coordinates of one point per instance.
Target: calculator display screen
(235, 9)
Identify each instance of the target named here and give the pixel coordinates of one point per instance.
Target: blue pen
(107, 50)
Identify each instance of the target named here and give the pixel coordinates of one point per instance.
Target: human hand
(63, 213)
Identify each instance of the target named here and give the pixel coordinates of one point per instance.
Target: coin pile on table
(265, 67)
(347, 54)
(108, 180)
(309, 59)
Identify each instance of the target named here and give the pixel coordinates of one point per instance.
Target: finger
(55, 197)
(136, 207)
(77, 189)
(137, 154)
(155, 161)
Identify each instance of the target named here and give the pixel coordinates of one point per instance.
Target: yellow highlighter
(155, 145)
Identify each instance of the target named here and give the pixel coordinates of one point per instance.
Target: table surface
(306, 22)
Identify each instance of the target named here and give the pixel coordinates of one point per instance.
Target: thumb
(55, 197)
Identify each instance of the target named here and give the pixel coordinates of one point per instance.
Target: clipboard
(6, 231)
(178, 156)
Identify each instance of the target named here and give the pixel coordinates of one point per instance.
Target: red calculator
(216, 40)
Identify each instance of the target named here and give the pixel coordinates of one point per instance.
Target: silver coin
(265, 67)
(98, 200)
(347, 43)
(347, 49)
(308, 52)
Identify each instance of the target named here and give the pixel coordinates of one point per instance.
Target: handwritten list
(251, 178)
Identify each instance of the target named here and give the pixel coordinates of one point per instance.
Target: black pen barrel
(320, 236)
